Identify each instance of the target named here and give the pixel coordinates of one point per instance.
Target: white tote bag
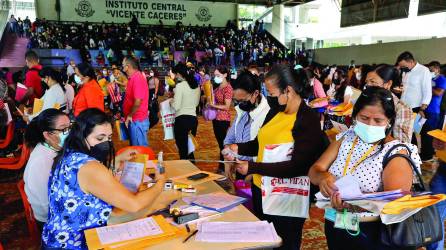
(168, 119)
(284, 196)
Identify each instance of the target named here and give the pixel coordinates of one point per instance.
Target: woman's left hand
(127, 155)
(336, 201)
(242, 167)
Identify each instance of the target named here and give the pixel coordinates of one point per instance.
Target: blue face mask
(62, 137)
(77, 79)
(369, 133)
(218, 80)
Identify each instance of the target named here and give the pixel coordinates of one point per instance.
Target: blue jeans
(438, 186)
(138, 132)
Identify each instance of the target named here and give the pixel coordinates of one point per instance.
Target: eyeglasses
(63, 131)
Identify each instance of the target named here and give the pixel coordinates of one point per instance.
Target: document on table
(348, 187)
(220, 202)
(128, 231)
(258, 231)
(132, 175)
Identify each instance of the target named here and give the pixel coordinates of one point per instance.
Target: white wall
(148, 11)
(424, 51)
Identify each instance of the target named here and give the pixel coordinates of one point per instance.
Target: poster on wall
(147, 11)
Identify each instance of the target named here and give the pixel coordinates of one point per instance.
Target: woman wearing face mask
(90, 93)
(359, 152)
(154, 83)
(287, 144)
(222, 99)
(387, 76)
(185, 102)
(339, 89)
(55, 94)
(251, 107)
(45, 135)
(82, 188)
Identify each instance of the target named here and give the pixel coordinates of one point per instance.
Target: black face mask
(273, 102)
(102, 151)
(405, 69)
(246, 106)
(336, 81)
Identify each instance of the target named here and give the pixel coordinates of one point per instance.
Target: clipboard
(168, 231)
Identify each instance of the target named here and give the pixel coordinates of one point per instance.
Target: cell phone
(197, 177)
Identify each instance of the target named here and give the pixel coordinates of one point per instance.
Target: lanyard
(349, 157)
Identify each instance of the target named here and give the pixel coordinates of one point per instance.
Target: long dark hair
(373, 96)
(86, 70)
(339, 95)
(45, 121)
(284, 76)
(84, 124)
(53, 74)
(188, 74)
(388, 73)
(247, 81)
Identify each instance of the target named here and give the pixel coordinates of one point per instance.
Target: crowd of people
(282, 114)
(229, 45)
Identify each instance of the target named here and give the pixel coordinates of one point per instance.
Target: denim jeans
(438, 186)
(138, 132)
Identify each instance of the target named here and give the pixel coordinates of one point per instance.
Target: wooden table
(240, 213)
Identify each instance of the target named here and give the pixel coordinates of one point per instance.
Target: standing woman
(360, 152)
(294, 129)
(90, 93)
(185, 102)
(154, 83)
(223, 98)
(55, 94)
(82, 188)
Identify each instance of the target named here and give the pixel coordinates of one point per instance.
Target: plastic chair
(11, 160)
(24, 156)
(141, 149)
(29, 215)
(9, 136)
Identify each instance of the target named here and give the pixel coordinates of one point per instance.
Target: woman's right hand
(230, 156)
(327, 186)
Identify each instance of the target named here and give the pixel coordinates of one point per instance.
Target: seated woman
(359, 152)
(82, 188)
(45, 135)
(339, 90)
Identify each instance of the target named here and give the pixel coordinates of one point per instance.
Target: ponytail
(45, 121)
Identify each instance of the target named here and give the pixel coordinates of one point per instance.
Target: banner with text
(147, 11)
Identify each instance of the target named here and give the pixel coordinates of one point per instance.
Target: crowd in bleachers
(229, 45)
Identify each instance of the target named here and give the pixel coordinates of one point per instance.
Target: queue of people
(275, 135)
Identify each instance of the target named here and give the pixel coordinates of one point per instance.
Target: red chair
(29, 215)
(9, 136)
(141, 149)
(24, 156)
(11, 160)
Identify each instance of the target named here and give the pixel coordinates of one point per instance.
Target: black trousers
(184, 124)
(368, 239)
(288, 228)
(220, 130)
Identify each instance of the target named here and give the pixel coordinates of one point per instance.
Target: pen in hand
(190, 236)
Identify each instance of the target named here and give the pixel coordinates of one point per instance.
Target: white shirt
(417, 87)
(52, 96)
(37, 173)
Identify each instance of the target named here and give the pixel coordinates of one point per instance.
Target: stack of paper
(348, 188)
(131, 235)
(220, 202)
(259, 231)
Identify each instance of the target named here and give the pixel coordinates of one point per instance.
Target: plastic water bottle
(160, 164)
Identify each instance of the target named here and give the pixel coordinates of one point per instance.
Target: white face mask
(218, 79)
(358, 76)
(77, 79)
(369, 133)
(151, 74)
(433, 75)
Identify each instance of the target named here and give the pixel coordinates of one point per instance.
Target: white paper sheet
(217, 201)
(348, 187)
(132, 175)
(339, 126)
(259, 231)
(128, 231)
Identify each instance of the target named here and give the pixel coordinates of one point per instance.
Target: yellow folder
(440, 135)
(38, 105)
(168, 232)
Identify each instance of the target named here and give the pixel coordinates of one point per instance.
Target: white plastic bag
(168, 119)
(284, 196)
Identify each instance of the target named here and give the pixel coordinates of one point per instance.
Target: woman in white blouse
(54, 96)
(45, 135)
(359, 152)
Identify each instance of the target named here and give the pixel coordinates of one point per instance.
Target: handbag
(420, 229)
(209, 114)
